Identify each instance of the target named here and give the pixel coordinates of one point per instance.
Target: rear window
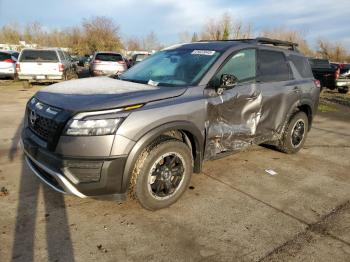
(4, 56)
(302, 65)
(39, 56)
(108, 57)
(273, 66)
(140, 57)
(15, 55)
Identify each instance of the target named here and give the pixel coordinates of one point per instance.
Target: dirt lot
(234, 210)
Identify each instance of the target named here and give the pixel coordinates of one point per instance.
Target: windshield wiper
(133, 80)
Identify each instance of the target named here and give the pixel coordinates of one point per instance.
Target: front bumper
(51, 178)
(79, 176)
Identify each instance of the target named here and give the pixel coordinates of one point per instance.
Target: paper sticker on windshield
(202, 52)
(152, 83)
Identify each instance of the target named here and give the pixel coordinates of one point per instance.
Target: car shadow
(32, 214)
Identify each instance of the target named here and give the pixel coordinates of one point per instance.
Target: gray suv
(145, 132)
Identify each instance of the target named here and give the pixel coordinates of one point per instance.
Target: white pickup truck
(44, 65)
(343, 82)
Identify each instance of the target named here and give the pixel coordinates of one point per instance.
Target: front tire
(161, 174)
(295, 134)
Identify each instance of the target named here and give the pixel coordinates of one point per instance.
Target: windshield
(172, 68)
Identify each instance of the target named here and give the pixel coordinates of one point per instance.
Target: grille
(42, 126)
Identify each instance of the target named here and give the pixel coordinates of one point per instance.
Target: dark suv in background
(146, 131)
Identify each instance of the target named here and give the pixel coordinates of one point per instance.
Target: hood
(98, 93)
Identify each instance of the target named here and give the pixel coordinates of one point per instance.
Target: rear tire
(161, 174)
(295, 134)
(343, 90)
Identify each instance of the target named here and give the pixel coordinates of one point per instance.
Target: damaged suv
(145, 132)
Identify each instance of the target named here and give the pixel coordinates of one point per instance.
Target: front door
(233, 116)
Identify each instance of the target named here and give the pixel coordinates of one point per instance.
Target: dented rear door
(280, 93)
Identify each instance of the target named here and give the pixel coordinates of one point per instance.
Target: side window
(302, 65)
(242, 65)
(273, 66)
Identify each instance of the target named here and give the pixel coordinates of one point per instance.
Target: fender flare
(296, 107)
(151, 135)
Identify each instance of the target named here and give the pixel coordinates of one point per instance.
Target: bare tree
(101, 34)
(292, 36)
(225, 28)
(185, 37)
(194, 37)
(10, 34)
(333, 51)
(133, 44)
(150, 42)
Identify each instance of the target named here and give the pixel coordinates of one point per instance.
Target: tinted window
(302, 65)
(39, 56)
(273, 66)
(4, 56)
(109, 57)
(242, 65)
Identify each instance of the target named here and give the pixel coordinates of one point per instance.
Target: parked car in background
(325, 72)
(74, 59)
(137, 58)
(83, 61)
(8, 61)
(343, 82)
(45, 65)
(148, 130)
(107, 63)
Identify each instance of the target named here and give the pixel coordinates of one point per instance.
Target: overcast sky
(318, 18)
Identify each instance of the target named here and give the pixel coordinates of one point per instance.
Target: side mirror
(227, 81)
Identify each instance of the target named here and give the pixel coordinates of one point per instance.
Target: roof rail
(262, 41)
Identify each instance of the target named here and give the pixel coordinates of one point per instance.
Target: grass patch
(322, 107)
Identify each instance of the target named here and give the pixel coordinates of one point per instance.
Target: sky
(167, 18)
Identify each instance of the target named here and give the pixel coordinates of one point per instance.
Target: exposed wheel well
(189, 139)
(308, 111)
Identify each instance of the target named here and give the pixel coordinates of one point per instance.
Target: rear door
(280, 92)
(232, 117)
(39, 62)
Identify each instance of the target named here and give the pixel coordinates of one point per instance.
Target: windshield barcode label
(202, 52)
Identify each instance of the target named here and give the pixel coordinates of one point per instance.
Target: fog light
(83, 171)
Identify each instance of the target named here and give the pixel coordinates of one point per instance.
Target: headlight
(98, 123)
(97, 127)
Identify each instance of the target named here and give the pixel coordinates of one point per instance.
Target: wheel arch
(307, 109)
(191, 134)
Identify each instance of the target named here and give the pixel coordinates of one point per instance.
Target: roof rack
(263, 41)
(275, 42)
